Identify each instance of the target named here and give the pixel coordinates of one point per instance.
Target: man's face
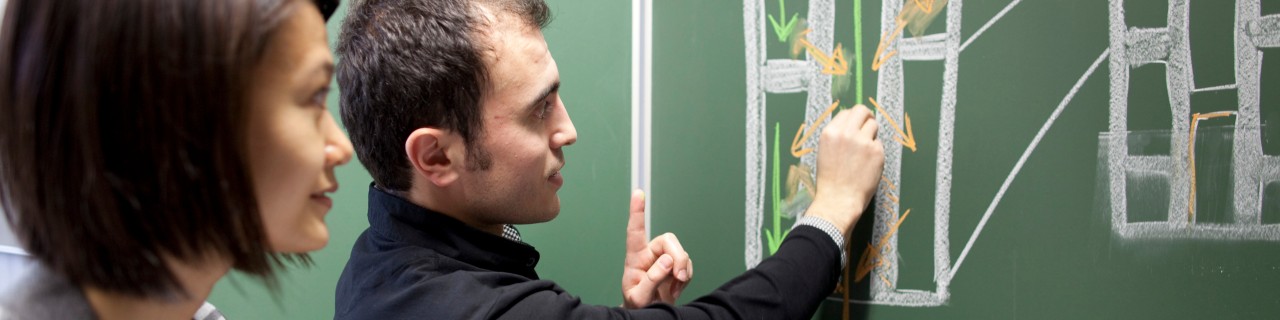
(525, 126)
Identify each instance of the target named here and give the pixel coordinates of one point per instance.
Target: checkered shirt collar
(509, 232)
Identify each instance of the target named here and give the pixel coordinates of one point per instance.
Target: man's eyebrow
(552, 89)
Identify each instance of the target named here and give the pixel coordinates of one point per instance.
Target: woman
(148, 147)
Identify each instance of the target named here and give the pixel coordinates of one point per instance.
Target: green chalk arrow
(775, 237)
(783, 29)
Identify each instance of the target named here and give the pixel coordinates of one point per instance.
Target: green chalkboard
(582, 249)
(1072, 159)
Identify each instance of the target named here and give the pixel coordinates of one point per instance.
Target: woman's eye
(318, 98)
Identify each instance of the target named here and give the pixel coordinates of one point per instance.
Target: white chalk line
(754, 39)
(1217, 88)
(1018, 167)
(989, 23)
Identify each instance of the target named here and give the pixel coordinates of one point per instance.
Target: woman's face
(294, 142)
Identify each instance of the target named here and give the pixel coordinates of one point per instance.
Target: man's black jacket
(414, 263)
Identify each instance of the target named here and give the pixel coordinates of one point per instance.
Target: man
(453, 106)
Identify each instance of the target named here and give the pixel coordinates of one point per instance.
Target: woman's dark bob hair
(123, 135)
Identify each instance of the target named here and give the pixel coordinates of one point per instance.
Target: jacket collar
(395, 218)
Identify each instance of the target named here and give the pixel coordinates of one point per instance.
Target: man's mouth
(556, 178)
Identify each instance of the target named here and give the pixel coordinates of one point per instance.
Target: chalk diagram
(1128, 48)
(1173, 176)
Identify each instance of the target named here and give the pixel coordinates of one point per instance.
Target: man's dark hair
(409, 64)
(124, 139)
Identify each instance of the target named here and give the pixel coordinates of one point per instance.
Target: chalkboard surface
(1044, 159)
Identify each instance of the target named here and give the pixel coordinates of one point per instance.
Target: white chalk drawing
(1132, 47)
(791, 76)
(1128, 48)
(890, 88)
(779, 76)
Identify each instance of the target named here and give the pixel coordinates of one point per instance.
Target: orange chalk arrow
(834, 64)
(890, 183)
(907, 139)
(917, 18)
(887, 191)
(871, 257)
(885, 39)
(928, 8)
(798, 142)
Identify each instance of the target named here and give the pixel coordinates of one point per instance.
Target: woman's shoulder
(42, 294)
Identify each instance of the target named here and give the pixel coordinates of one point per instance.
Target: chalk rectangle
(1165, 230)
(1264, 32)
(1149, 163)
(1147, 45)
(787, 75)
(1271, 203)
(1147, 193)
(926, 48)
(1270, 168)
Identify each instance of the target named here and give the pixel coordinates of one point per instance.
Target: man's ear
(432, 156)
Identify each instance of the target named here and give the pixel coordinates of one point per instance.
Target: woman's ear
(430, 155)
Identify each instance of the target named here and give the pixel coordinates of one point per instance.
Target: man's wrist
(841, 216)
(830, 229)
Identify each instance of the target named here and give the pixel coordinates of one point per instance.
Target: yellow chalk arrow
(907, 139)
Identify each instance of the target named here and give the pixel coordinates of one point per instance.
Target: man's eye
(546, 109)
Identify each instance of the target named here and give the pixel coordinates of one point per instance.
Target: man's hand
(850, 161)
(655, 270)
